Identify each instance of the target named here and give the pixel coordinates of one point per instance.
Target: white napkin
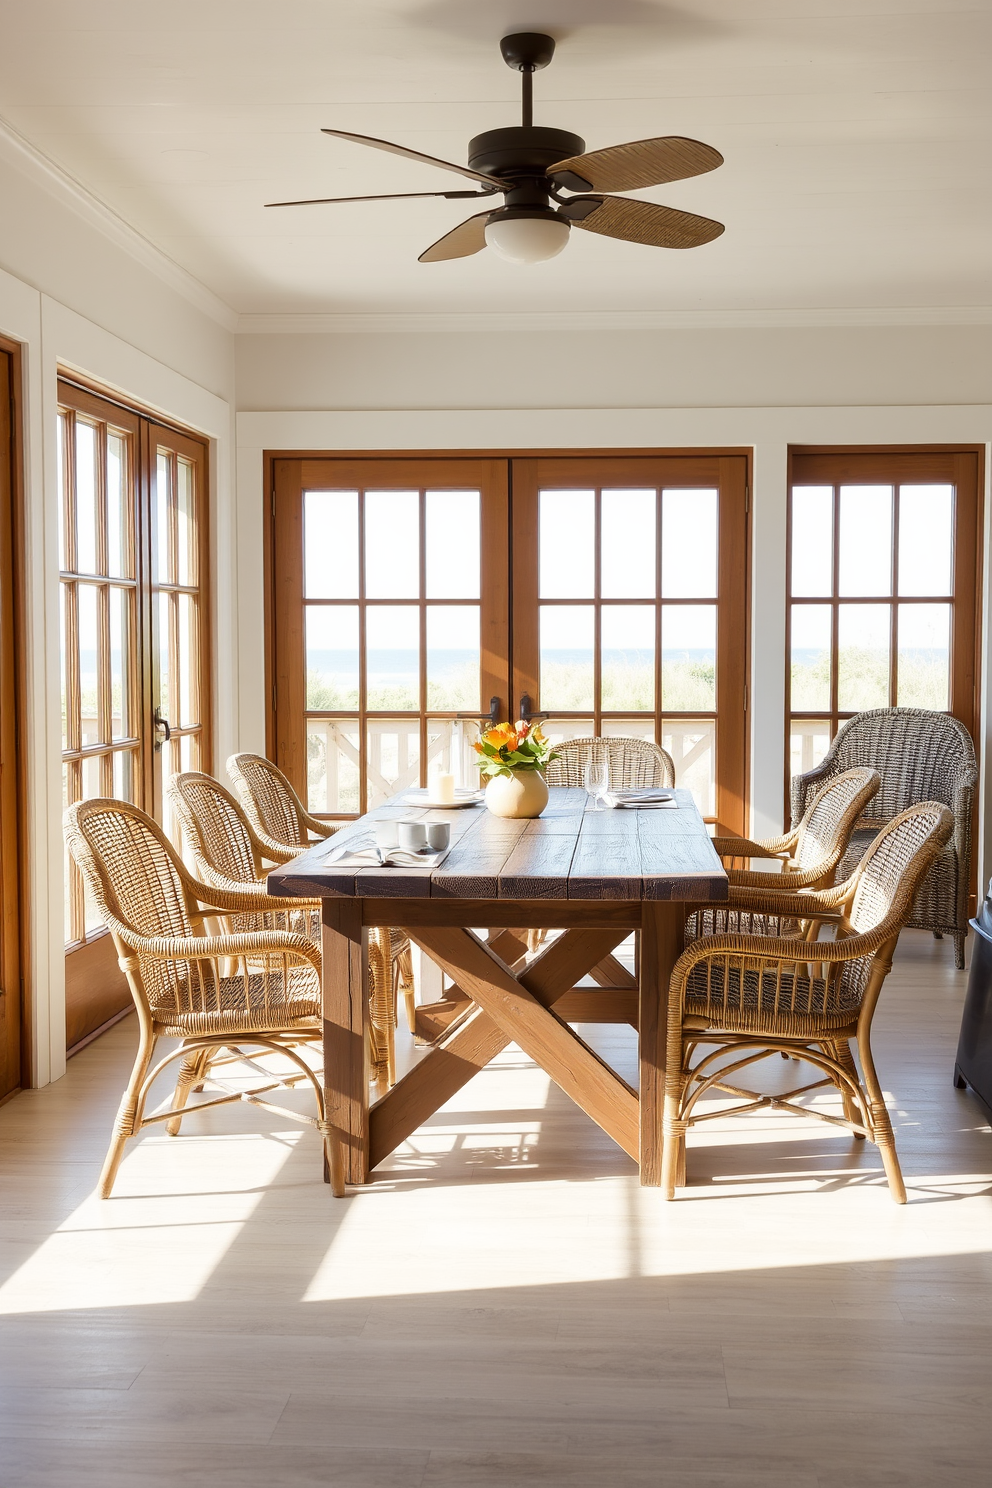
(652, 798)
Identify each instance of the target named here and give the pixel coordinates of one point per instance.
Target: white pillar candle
(443, 788)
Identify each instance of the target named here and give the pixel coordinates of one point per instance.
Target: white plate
(463, 797)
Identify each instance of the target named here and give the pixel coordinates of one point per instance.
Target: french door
(393, 635)
(10, 855)
(133, 642)
(388, 622)
(630, 609)
(883, 581)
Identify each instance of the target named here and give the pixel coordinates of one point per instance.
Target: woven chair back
(832, 813)
(215, 828)
(632, 762)
(270, 802)
(920, 756)
(135, 878)
(892, 869)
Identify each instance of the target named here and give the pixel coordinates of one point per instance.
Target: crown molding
(623, 320)
(38, 167)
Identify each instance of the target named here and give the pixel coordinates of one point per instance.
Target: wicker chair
(920, 756)
(751, 995)
(809, 855)
(633, 762)
(212, 992)
(228, 854)
(282, 823)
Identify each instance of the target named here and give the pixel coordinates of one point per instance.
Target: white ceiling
(856, 135)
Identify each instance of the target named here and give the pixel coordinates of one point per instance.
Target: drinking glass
(598, 780)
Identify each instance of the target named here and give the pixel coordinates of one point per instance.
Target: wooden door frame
(737, 811)
(16, 970)
(92, 962)
(284, 591)
(968, 464)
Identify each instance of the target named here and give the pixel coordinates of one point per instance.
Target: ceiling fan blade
(320, 201)
(467, 238)
(640, 221)
(641, 163)
(448, 165)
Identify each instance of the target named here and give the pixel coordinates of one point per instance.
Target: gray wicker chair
(920, 756)
(633, 762)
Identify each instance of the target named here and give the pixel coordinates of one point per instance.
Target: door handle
(492, 717)
(162, 724)
(526, 712)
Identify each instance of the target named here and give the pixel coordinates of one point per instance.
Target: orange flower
(503, 733)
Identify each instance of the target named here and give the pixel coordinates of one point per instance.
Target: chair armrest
(321, 829)
(746, 847)
(787, 882)
(211, 947)
(231, 897)
(779, 953)
(813, 904)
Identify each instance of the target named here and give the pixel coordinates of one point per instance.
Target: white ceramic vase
(522, 795)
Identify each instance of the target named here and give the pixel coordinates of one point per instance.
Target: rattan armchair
(920, 756)
(227, 853)
(751, 995)
(633, 763)
(214, 993)
(283, 825)
(809, 856)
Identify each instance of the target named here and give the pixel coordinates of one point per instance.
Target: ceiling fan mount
(550, 183)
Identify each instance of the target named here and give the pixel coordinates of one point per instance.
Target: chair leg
(881, 1125)
(959, 949)
(191, 1072)
(125, 1124)
(673, 1127)
(841, 1051)
(403, 964)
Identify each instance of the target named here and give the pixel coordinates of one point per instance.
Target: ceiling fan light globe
(527, 240)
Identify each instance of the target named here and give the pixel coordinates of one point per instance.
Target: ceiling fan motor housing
(521, 150)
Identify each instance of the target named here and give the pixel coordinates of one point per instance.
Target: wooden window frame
(959, 465)
(730, 475)
(731, 465)
(289, 477)
(14, 961)
(96, 993)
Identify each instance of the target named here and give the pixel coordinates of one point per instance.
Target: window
(133, 637)
(883, 580)
(389, 622)
(391, 629)
(629, 609)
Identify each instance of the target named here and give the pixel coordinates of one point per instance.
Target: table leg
(662, 939)
(345, 989)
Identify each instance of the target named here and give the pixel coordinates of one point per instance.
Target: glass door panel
(631, 621)
(883, 579)
(132, 640)
(389, 635)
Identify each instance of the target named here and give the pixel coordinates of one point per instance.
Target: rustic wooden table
(596, 876)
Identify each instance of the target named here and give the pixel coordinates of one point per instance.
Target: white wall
(76, 292)
(727, 367)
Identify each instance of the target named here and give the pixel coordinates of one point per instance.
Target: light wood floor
(504, 1305)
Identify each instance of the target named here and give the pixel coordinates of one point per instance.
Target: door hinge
(747, 499)
(273, 698)
(272, 503)
(745, 697)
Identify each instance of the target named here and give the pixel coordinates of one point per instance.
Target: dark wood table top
(570, 852)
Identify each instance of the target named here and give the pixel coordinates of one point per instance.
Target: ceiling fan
(534, 167)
